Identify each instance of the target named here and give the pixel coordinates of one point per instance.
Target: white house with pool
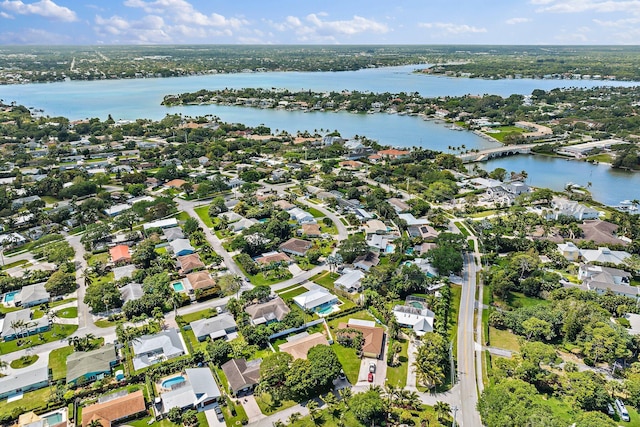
(194, 389)
(317, 299)
(151, 349)
(416, 316)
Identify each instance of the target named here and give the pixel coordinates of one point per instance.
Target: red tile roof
(120, 253)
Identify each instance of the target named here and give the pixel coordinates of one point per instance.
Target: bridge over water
(490, 153)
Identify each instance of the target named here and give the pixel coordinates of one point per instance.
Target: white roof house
(116, 210)
(301, 216)
(198, 390)
(31, 295)
(569, 250)
(350, 280)
(23, 381)
(421, 321)
(562, 206)
(242, 224)
(214, 327)
(12, 239)
(604, 255)
(315, 299)
(412, 220)
(181, 247)
(151, 349)
(162, 223)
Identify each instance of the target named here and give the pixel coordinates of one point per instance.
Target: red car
(370, 377)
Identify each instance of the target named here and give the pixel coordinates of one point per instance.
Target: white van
(622, 411)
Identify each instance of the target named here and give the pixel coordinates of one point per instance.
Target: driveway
(378, 377)
(251, 408)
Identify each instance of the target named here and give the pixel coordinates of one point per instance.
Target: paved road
(466, 347)
(342, 230)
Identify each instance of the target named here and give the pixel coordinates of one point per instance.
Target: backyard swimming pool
(54, 419)
(326, 310)
(173, 381)
(178, 286)
(10, 296)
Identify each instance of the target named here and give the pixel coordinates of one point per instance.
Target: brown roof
(275, 309)
(120, 253)
(190, 262)
(311, 229)
(115, 409)
(201, 280)
(300, 347)
(277, 257)
(601, 232)
(393, 152)
(241, 374)
(175, 183)
(373, 338)
(296, 246)
(283, 204)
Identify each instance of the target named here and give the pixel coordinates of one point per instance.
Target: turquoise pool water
(416, 304)
(10, 296)
(407, 263)
(178, 286)
(326, 310)
(389, 249)
(54, 418)
(172, 381)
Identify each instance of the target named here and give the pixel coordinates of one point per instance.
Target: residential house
(301, 216)
(188, 263)
(241, 375)
(199, 280)
(367, 261)
(123, 271)
(561, 206)
(420, 320)
(219, 326)
(604, 255)
(10, 239)
(161, 223)
(362, 214)
(295, 246)
(173, 233)
(230, 216)
(373, 345)
(425, 232)
(22, 201)
(131, 291)
(91, 365)
(32, 295)
(267, 312)
(411, 220)
(120, 254)
(399, 205)
(175, 183)
(242, 224)
(350, 281)
(181, 247)
(310, 230)
(271, 257)
(516, 187)
(394, 154)
(21, 324)
(116, 210)
(375, 226)
(151, 349)
(114, 410)
(198, 390)
(284, 205)
(381, 243)
(607, 275)
(316, 299)
(23, 380)
(299, 345)
(570, 251)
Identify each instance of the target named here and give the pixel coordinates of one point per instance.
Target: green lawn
(315, 212)
(144, 422)
(104, 323)
(456, 294)
(503, 339)
(182, 216)
(289, 288)
(203, 213)
(23, 362)
(49, 200)
(264, 278)
(15, 264)
(68, 313)
(463, 229)
(287, 296)
(268, 406)
(58, 362)
(326, 279)
(202, 314)
(504, 131)
(58, 332)
(600, 158)
(102, 257)
(360, 315)
(349, 361)
(397, 376)
(518, 299)
(33, 399)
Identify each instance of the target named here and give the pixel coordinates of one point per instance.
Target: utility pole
(455, 411)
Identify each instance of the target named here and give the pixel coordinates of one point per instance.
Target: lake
(140, 98)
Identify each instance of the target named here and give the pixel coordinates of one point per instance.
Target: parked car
(372, 367)
(610, 410)
(622, 410)
(219, 413)
(370, 377)
(341, 375)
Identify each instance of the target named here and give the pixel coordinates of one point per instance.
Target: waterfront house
(242, 376)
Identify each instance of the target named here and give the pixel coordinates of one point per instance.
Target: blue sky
(315, 22)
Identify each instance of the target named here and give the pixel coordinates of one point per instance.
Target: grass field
(518, 299)
(294, 293)
(23, 362)
(202, 314)
(144, 422)
(268, 406)
(58, 362)
(326, 279)
(15, 264)
(57, 332)
(315, 212)
(349, 361)
(504, 131)
(397, 376)
(503, 339)
(203, 213)
(68, 313)
(33, 399)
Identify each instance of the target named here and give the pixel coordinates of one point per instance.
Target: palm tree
(176, 300)
(345, 395)
(293, 417)
(95, 423)
(18, 325)
(442, 409)
(331, 401)
(312, 406)
(3, 365)
(278, 423)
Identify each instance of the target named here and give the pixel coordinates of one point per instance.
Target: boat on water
(627, 206)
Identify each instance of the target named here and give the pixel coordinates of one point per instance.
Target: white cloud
(45, 8)
(620, 23)
(149, 29)
(514, 21)
(6, 15)
(450, 28)
(576, 6)
(182, 12)
(314, 28)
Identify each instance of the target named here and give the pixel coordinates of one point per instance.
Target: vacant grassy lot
(397, 376)
(503, 339)
(203, 213)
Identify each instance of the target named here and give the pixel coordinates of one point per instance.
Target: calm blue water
(140, 98)
(172, 381)
(609, 186)
(178, 286)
